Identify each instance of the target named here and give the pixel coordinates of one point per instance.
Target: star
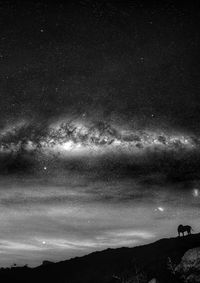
(43, 242)
(195, 192)
(161, 209)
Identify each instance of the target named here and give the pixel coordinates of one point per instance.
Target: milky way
(70, 138)
(27, 146)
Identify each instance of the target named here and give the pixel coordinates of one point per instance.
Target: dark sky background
(99, 125)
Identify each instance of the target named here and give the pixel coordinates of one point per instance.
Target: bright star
(195, 192)
(160, 208)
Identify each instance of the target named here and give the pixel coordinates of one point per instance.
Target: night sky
(99, 125)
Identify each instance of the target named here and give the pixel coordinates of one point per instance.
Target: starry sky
(99, 125)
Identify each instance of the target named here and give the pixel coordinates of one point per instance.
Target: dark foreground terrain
(139, 264)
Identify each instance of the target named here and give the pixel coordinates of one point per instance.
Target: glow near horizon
(77, 221)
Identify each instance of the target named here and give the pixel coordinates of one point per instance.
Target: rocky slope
(167, 260)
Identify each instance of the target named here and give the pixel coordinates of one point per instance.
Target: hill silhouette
(137, 264)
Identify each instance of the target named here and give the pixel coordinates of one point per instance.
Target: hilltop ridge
(137, 264)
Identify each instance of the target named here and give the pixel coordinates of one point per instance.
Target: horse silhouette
(182, 229)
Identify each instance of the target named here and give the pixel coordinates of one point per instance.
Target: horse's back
(188, 227)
